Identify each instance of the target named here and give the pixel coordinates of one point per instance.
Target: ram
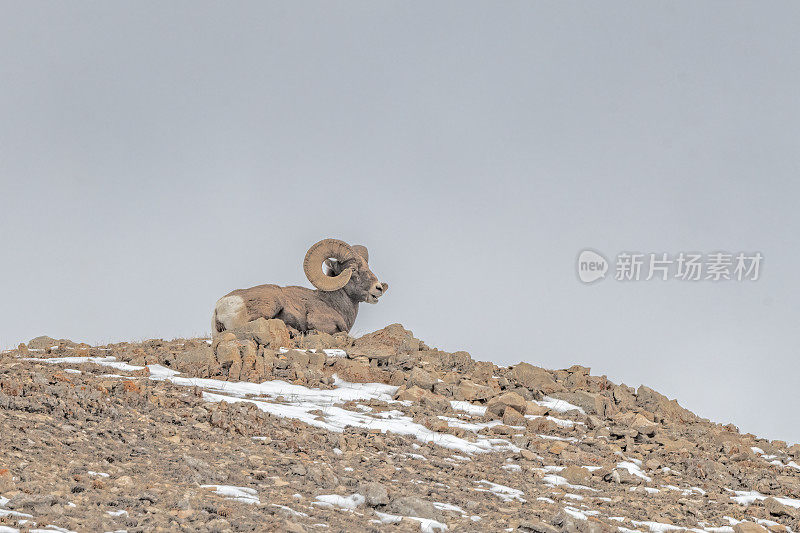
(342, 278)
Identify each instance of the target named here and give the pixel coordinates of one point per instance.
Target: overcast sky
(156, 155)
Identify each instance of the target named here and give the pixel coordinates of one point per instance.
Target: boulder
(412, 506)
(299, 358)
(534, 378)
(384, 343)
(623, 396)
(498, 404)
(749, 527)
(374, 493)
(42, 342)
(470, 391)
(354, 371)
(227, 352)
(591, 403)
(658, 403)
(512, 417)
(776, 508)
(270, 333)
(318, 341)
(316, 360)
(421, 378)
(577, 475)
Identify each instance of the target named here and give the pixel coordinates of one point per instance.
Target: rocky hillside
(262, 432)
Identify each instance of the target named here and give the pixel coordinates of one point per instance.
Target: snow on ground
(744, 497)
(501, 491)
(559, 406)
(469, 408)
(633, 469)
(557, 481)
(297, 402)
(656, 527)
(426, 525)
(346, 503)
(240, 494)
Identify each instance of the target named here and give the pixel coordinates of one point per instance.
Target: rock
(469, 391)
(624, 477)
(558, 447)
(316, 360)
(533, 408)
(220, 338)
(512, 417)
(6, 480)
(436, 402)
(412, 506)
(623, 396)
(353, 371)
(299, 358)
(794, 451)
(590, 402)
(381, 344)
(411, 394)
(42, 342)
(534, 378)
(374, 493)
(658, 403)
(422, 379)
(577, 475)
(498, 404)
(196, 360)
(270, 333)
(228, 352)
(536, 526)
(636, 421)
(749, 527)
(318, 341)
(776, 508)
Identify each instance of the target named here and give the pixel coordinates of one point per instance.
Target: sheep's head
(346, 267)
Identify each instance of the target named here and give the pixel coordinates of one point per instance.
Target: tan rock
(391, 340)
(749, 527)
(6, 480)
(658, 403)
(411, 394)
(498, 404)
(316, 360)
(300, 358)
(228, 352)
(577, 475)
(469, 391)
(558, 446)
(318, 341)
(512, 417)
(420, 378)
(271, 333)
(534, 378)
(776, 508)
(533, 408)
(353, 371)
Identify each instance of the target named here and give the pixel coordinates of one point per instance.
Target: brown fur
(304, 309)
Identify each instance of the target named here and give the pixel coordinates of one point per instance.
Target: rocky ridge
(259, 431)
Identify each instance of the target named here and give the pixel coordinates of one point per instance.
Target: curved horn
(362, 251)
(317, 254)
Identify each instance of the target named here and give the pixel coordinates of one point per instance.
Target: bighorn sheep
(330, 309)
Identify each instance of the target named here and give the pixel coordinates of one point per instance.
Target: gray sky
(155, 156)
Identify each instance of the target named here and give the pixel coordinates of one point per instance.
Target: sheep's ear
(333, 267)
(362, 251)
